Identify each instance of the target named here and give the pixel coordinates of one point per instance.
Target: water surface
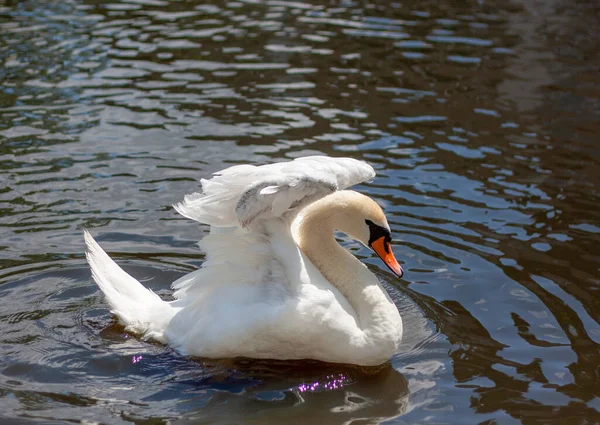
(481, 119)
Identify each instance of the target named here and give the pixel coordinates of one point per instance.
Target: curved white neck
(377, 315)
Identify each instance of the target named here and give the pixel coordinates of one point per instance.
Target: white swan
(275, 283)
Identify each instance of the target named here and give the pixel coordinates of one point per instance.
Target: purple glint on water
(136, 359)
(332, 383)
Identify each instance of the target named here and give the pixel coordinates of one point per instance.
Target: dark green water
(481, 118)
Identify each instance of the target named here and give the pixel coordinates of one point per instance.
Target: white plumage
(265, 290)
(238, 195)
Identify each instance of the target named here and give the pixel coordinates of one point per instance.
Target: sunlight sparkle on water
(332, 382)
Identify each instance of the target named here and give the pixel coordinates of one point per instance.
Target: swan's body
(275, 283)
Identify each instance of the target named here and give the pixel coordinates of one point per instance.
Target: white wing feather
(239, 195)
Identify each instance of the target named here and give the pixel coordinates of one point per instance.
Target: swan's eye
(376, 231)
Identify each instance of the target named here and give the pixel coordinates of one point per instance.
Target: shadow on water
(318, 393)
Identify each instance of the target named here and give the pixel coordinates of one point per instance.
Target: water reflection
(480, 118)
(328, 396)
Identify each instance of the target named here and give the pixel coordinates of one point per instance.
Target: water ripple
(480, 120)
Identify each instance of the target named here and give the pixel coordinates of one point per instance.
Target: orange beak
(384, 250)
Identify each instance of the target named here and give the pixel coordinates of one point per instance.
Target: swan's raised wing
(239, 195)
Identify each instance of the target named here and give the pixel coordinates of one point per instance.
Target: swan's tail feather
(138, 308)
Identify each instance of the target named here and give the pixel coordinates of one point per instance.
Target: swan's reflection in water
(308, 392)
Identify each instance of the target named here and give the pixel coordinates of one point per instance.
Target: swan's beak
(383, 248)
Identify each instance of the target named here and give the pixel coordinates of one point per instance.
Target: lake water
(481, 119)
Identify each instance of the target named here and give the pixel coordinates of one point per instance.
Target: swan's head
(364, 220)
(359, 217)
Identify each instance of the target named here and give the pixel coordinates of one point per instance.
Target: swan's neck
(377, 314)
